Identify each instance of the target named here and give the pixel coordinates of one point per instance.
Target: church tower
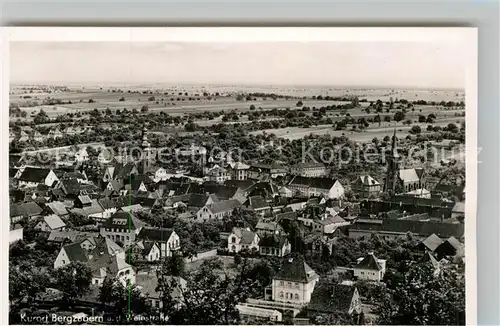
(146, 161)
(393, 165)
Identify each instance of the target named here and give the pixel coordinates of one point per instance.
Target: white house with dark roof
(294, 283)
(370, 268)
(313, 187)
(123, 227)
(32, 177)
(50, 223)
(276, 245)
(105, 265)
(167, 239)
(240, 239)
(218, 174)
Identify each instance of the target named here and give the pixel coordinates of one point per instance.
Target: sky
(374, 64)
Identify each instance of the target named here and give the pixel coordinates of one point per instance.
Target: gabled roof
(94, 208)
(245, 235)
(124, 220)
(27, 209)
(199, 200)
(267, 226)
(332, 298)
(239, 166)
(85, 200)
(57, 208)
(155, 234)
(257, 202)
(148, 282)
(75, 252)
(369, 262)
(105, 245)
(454, 242)
(275, 241)
(368, 180)
(32, 174)
(112, 264)
(409, 175)
(432, 242)
(320, 183)
(54, 221)
(296, 270)
(223, 206)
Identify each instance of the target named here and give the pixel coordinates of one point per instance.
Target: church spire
(394, 145)
(145, 143)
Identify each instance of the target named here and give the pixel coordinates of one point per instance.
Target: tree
(124, 301)
(151, 99)
(122, 99)
(299, 103)
(144, 108)
(91, 101)
(73, 280)
(207, 298)
(252, 107)
(25, 282)
(416, 129)
(424, 298)
(174, 265)
(398, 116)
(421, 118)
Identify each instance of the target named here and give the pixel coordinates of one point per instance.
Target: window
(281, 282)
(296, 296)
(297, 285)
(233, 239)
(64, 262)
(127, 272)
(286, 295)
(289, 284)
(362, 273)
(153, 303)
(96, 282)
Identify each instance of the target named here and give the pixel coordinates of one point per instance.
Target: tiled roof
(332, 298)
(54, 221)
(57, 208)
(223, 206)
(124, 220)
(246, 236)
(155, 234)
(320, 183)
(257, 202)
(409, 175)
(112, 264)
(432, 242)
(75, 252)
(275, 241)
(443, 230)
(296, 270)
(368, 180)
(32, 174)
(369, 262)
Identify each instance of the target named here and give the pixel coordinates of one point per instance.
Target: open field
(386, 129)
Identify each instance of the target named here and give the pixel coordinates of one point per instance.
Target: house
(31, 177)
(275, 245)
(449, 247)
(328, 224)
(294, 283)
(268, 228)
(70, 236)
(365, 186)
(147, 283)
(257, 205)
(310, 170)
(91, 209)
(113, 188)
(242, 239)
(57, 208)
(85, 249)
(29, 210)
(430, 243)
(166, 238)
(370, 268)
(50, 223)
(239, 171)
(217, 210)
(120, 172)
(308, 187)
(197, 201)
(37, 136)
(218, 174)
(149, 251)
(258, 171)
(410, 179)
(331, 300)
(255, 315)
(123, 227)
(160, 175)
(105, 265)
(73, 252)
(16, 233)
(393, 228)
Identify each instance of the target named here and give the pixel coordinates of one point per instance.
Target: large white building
(324, 187)
(294, 283)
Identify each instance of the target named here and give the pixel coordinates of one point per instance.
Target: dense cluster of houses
(305, 196)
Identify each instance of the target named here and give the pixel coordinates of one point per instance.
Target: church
(397, 181)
